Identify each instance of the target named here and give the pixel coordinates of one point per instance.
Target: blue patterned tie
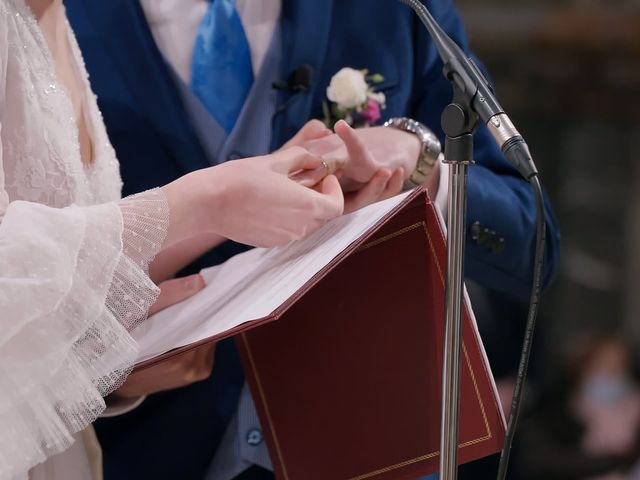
(221, 70)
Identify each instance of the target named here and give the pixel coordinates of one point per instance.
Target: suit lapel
(306, 26)
(122, 27)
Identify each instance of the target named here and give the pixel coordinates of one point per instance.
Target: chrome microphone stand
(473, 99)
(458, 123)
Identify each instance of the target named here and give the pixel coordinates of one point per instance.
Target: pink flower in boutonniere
(372, 113)
(352, 97)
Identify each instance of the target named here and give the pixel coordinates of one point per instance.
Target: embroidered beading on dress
(73, 256)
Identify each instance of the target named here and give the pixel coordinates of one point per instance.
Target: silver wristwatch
(429, 155)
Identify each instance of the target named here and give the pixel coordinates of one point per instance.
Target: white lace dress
(73, 257)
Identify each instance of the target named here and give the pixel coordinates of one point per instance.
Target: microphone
(463, 71)
(299, 81)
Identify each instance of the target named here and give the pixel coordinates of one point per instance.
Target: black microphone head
(301, 78)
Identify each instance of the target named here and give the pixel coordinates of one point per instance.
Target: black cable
(536, 292)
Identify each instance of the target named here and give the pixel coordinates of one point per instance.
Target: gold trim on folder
(411, 461)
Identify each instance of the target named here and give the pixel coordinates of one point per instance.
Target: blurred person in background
(586, 422)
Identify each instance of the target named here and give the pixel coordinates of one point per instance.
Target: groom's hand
(360, 154)
(372, 163)
(181, 370)
(176, 290)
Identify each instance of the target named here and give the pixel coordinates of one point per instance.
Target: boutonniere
(352, 97)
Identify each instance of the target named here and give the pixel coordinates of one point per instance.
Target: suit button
(475, 231)
(254, 437)
(485, 237)
(498, 245)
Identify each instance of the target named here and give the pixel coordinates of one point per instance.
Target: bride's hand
(312, 130)
(253, 201)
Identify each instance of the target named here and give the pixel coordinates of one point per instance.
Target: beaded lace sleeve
(73, 282)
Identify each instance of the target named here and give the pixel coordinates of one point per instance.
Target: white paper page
(250, 286)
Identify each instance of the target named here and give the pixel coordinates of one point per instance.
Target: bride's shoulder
(16, 25)
(4, 11)
(8, 10)
(13, 12)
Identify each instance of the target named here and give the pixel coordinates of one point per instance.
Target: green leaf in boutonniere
(375, 78)
(328, 118)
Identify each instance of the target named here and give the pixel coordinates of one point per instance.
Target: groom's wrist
(429, 151)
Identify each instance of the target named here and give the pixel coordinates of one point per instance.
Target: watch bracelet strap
(430, 152)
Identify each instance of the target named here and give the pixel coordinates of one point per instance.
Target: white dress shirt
(174, 25)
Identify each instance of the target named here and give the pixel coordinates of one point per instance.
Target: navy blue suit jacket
(173, 435)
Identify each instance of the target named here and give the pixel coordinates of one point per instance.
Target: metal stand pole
(458, 124)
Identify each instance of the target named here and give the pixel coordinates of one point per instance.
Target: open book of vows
(341, 338)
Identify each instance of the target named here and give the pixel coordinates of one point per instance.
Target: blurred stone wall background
(568, 73)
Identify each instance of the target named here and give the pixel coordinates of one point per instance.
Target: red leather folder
(346, 375)
(347, 381)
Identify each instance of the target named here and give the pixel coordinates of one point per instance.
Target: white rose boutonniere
(352, 98)
(348, 88)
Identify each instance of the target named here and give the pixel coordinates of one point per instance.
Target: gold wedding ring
(326, 165)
